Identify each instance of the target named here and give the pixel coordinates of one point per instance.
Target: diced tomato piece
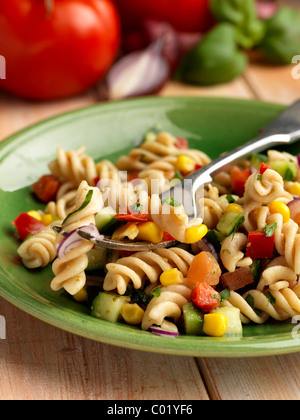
(133, 217)
(181, 143)
(197, 167)
(167, 237)
(204, 268)
(205, 297)
(260, 246)
(132, 176)
(46, 188)
(27, 225)
(96, 180)
(263, 168)
(238, 180)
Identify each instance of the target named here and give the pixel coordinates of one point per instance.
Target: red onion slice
(294, 207)
(138, 74)
(163, 333)
(92, 230)
(73, 239)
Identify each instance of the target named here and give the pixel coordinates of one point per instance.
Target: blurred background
(59, 55)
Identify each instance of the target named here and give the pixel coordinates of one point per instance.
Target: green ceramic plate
(213, 125)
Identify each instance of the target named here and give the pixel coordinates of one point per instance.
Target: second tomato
(56, 48)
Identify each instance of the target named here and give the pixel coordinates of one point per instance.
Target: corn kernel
(281, 208)
(185, 164)
(234, 208)
(130, 231)
(195, 234)
(215, 325)
(35, 214)
(294, 188)
(132, 313)
(47, 219)
(150, 232)
(173, 276)
(81, 296)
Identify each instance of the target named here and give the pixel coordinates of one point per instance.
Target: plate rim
(36, 308)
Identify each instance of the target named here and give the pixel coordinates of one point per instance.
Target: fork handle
(257, 145)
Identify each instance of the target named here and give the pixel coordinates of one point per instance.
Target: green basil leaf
(270, 229)
(86, 202)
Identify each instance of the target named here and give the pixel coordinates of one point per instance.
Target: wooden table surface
(38, 361)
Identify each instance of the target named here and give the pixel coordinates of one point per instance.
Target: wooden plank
(265, 378)
(16, 114)
(272, 83)
(42, 362)
(238, 88)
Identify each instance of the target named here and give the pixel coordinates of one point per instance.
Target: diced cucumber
(235, 327)
(193, 319)
(97, 259)
(108, 306)
(229, 223)
(105, 219)
(215, 238)
(258, 159)
(287, 169)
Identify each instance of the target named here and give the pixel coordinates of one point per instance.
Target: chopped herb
(178, 176)
(270, 230)
(156, 292)
(216, 297)
(136, 208)
(138, 296)
(250, 300)
(86, 202)
(270, 298)
(225, 294)
(230, 199)
(259, 177)
(173, 203)
(256, 270)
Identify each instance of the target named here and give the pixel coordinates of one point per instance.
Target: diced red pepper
(27, 225)
(205, 297)
(263, 168)
(260, 246)
(238, 180)
(181, 143)
(46, 188)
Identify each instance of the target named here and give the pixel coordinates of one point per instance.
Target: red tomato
(205, 297)
(181, 143)
(46, 188)
(27, 225)
(133, 217)
(263, 168)
(57, 53)
(183, 15)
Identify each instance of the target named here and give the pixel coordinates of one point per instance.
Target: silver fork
(284, 130)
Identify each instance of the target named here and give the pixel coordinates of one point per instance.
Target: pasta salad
(237, 263)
